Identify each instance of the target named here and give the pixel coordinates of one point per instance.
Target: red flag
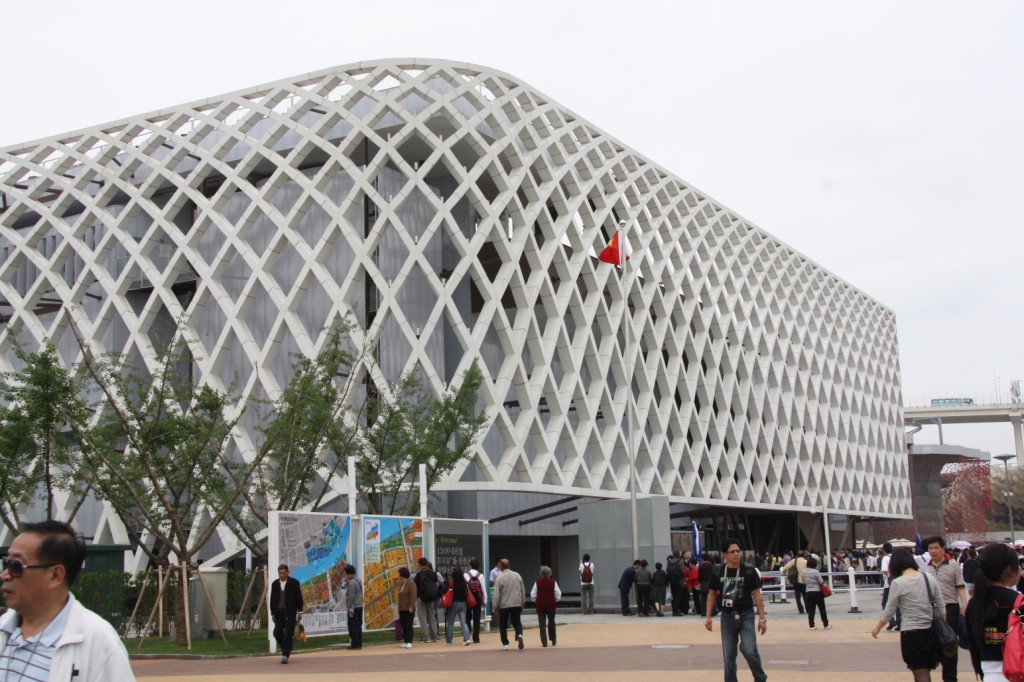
(610, 254)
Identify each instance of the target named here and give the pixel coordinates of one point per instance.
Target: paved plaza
(599, 647)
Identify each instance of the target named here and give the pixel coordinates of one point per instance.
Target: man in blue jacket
(626, 583)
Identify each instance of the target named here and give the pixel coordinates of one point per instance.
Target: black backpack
(704, 573)
(675, 571)
(427, 585)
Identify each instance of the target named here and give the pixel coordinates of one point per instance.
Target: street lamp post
(1007, 493)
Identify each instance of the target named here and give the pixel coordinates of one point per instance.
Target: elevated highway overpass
(970, 414)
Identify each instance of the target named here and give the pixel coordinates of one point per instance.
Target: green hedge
(113, 596)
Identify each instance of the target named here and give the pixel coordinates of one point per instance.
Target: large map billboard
(389, 542)
(317, 547)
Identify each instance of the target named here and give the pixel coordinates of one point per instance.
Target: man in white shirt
(886, 581)
(47, 634)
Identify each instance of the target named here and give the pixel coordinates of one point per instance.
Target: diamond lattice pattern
(457, 213)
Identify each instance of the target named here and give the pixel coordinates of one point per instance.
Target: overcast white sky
(884, 140)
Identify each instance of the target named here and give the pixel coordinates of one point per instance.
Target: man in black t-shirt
(738, 588)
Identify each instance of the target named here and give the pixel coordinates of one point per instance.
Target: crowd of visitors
(935, 583)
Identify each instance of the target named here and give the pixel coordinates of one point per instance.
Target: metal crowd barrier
(773, 583)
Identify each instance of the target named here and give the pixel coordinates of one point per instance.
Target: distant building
(457, 213)
(951, 491)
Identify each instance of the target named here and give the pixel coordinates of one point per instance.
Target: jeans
(547, 626)
(814, 600)
(740, 631)
(428, 620)
(507, 614)
(949, 664)
(355, 628)
(587, 598)
(458, 608)
(284, 630)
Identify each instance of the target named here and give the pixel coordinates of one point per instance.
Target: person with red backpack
(475, 582)
(587, 585)
(989, 611)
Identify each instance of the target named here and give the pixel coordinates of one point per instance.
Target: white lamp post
(1008, 494)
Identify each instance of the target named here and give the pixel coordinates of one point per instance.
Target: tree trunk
(180, 623)
(49, 487)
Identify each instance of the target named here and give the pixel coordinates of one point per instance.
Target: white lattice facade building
(457, 214)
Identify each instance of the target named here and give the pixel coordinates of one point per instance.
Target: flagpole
(628, 366)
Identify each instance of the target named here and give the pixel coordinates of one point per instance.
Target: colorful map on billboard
(317, 547)
(389, 542)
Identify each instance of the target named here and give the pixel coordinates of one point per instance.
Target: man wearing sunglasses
(47, 634)
(737, 586)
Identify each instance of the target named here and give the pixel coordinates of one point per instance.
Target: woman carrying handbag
(814, 597)
(909, 593)
(457, 606)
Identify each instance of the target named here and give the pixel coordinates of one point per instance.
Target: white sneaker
(465, 643)
(504, 647)
(521, 642)
(828, 627)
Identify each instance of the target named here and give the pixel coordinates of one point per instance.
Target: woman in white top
(909, 593)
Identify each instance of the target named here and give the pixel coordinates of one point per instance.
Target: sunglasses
(16, 568)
